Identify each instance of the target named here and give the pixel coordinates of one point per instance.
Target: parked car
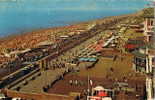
(17, 98)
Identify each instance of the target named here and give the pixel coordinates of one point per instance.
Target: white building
(148, 27)
(149, 33)
(144, 58)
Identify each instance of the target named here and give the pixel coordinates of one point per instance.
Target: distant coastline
(27, 22)
(4, 37)
(31, 39)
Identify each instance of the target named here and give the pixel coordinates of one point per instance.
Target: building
(133, 44)
(144, 59)
(148, 25)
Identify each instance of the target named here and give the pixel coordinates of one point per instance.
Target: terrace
(105, 72)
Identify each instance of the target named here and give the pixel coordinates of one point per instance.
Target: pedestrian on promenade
(76, 82)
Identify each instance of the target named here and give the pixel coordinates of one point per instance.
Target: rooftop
(88, 59)
(137, 42)
(149, 46)
(148, 13)
(138, 54)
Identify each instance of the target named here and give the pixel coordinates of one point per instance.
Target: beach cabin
(64, 36)
(87, 59)
(87, 62)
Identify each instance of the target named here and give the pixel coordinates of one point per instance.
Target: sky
(17, 16)
(71, 5)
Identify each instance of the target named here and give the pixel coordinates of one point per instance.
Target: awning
(102, 94)
(98, 88)
(130, 46)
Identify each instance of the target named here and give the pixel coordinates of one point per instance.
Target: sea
(20, 16)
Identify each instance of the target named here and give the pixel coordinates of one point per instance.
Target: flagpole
(88, 85)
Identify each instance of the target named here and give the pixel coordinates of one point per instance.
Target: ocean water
(19, 16)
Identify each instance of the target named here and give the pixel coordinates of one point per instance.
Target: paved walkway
(46, 78)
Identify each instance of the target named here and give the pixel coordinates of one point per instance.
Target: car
(17, 98)
(2, 96)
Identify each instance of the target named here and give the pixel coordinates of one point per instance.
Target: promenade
(46, 78)
(108, 71)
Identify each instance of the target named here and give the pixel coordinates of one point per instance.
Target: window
(148, 22)
(151, 22)
(153, 60)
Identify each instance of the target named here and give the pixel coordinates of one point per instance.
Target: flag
(91, 82)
